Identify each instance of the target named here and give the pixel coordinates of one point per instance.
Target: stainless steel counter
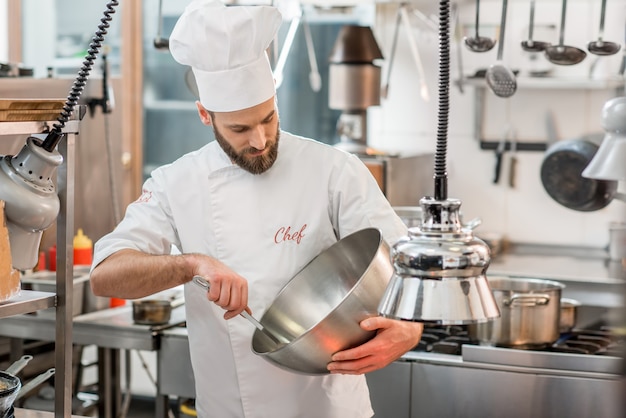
(111, 330)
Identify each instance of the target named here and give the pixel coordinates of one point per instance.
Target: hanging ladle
(530, 45)
(601, 47)
(561, 54)
(499, 77)
(315, 79)
(384, 92)
(160, 42)
(479, 43)
(278, 340)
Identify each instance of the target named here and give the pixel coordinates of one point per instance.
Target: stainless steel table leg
(162, 400)
(109, 391)
(162, 406)
(16, 345)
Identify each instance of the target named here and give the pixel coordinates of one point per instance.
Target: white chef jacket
(265, 227)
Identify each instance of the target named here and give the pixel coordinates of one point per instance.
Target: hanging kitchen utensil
(561, 176)
(278, 340)
(315, 80)
(416, 55)
(601, 47)
(479, 43)
(622, 65)
(385, 89)
(499, 77)
(531, 45)
(160, 42)
(457, 40)
(561, 54)
(513, 162)
(499, 153)
(284, 52)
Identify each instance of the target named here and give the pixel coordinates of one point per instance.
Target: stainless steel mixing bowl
(318, 312)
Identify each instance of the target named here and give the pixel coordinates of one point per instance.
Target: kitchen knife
(513, 163)
(499, 153)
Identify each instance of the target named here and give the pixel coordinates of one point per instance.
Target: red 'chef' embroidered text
(285, 234)
(145, 196)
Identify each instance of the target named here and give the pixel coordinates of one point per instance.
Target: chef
(248, 211)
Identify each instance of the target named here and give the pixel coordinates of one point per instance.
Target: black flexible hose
(441, 179)
(53, 137)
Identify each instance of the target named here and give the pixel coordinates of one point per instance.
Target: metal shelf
(29, 128)
(529, 83)
(556, 83)
(26, 302)
(32, 301)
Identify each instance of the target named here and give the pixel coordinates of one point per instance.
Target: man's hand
(228, 289)
(393, 339)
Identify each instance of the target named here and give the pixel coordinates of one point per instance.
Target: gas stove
(603, 341)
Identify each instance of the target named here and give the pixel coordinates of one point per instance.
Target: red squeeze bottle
(52, 258)
(83, 249)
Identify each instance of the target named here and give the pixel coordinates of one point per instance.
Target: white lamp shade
(609, 163)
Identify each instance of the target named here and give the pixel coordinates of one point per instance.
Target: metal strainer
(499, 77)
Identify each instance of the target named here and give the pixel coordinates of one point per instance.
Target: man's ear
(205, 117)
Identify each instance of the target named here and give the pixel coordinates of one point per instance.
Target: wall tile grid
(406, 122)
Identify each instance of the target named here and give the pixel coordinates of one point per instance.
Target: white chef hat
(225, 47)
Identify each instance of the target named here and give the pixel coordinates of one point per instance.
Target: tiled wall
(405, 121)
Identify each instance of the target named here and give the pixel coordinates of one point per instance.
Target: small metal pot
(569, 314)
(11, 389)
(530, 313)
(152, 311)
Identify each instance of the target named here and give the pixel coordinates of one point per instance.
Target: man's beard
(254, 165)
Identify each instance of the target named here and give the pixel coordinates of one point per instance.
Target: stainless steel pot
(569, 314)
(530, 313)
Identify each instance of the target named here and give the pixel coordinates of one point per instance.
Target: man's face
(249, 137)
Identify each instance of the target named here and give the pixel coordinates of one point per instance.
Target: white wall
(405, 121)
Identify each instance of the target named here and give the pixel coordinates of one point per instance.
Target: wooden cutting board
(28, 115)
(31, 104)
(21, 110)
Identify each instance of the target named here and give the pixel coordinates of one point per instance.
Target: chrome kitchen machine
(354, 85)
